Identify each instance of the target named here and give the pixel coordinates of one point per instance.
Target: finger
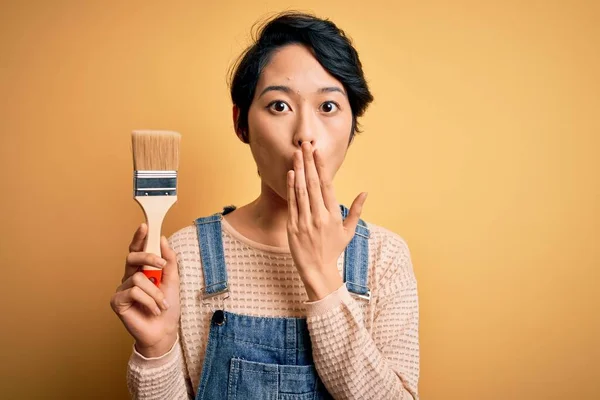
(170, 271)
(134, 261)
(137, 243)
(354, 214)
(141, 259)
(327, 190)
(300, 188)
(123, 300)
(140, 280)
(291, 193)
(313, 184)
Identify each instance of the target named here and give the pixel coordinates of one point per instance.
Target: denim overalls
(261, 357)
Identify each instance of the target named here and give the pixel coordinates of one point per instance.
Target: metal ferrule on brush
(155, 183)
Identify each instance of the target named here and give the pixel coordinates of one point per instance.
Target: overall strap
(211, 253)
(356, 256)
(356, 260)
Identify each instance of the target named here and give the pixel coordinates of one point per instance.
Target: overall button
(218, 317)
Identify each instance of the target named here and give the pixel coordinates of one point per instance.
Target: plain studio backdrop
(481, 150)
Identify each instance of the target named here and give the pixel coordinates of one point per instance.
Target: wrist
(320, 285)
(158, 349)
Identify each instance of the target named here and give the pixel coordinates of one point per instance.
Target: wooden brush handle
(155, 208)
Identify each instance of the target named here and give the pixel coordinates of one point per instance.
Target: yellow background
(481, 150)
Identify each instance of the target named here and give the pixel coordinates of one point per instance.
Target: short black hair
(330, 46)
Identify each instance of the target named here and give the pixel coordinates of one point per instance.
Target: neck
(265, 219)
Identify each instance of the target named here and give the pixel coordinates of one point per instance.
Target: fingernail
(162, 262)
(157, 311)
(166, 304)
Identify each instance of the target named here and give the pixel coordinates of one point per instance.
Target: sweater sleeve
(160, 377)
(356, 364)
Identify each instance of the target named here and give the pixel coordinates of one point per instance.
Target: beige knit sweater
(362, 350)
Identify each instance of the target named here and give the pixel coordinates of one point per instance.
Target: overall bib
(262, 357)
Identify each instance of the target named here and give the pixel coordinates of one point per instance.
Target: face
(297, 100)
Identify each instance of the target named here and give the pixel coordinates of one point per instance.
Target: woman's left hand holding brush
(150, 314)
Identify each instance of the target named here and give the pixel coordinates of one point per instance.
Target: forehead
(294, 65)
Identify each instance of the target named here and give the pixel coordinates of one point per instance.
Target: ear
(236, 116)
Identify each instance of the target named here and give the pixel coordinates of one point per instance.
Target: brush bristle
(155, 150)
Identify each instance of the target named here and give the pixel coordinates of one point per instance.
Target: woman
(291, 296)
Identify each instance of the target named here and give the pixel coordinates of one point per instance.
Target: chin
(277, 189)
(282, 193)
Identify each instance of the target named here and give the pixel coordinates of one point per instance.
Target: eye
(278, 106)
(329, 107)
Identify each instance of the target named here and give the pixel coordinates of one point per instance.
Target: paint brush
(155, 164)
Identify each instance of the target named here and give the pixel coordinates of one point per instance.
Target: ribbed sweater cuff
(331, 301)
(152, 362)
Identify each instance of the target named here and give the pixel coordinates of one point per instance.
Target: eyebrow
(288, 90)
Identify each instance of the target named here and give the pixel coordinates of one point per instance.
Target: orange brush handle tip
(155, 275)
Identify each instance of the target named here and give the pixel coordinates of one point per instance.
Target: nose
(312, 142)
(306, 130)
